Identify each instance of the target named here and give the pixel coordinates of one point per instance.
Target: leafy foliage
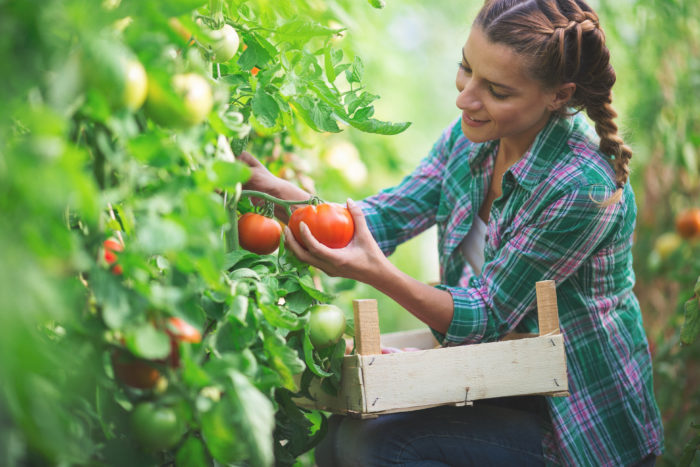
(84, 160)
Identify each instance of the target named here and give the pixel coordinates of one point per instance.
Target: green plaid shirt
(546, 225)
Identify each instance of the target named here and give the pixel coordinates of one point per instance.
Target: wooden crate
(373, 383)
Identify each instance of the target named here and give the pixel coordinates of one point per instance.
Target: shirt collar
(547, 147)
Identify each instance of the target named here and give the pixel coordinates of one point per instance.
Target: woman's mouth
(473, 122)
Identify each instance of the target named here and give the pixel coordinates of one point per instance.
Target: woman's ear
(562, 95)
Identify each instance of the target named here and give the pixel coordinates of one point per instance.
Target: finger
(357, 216)
(292, 244)
(310, 242)
(249, 159)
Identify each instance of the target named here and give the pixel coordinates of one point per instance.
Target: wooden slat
(417, 338)
(461, 374)
(366, 327)
(547, 311)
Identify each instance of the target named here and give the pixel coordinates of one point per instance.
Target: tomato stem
(282, 202)
(232, 239)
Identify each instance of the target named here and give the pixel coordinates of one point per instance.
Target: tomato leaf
(311, 364)
(307, 284)
(265, 108)
(281, 318)
(192, 453)
(255, 411)
(283, 358)
(147, 342)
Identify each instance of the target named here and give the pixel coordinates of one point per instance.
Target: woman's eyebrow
(493, 83)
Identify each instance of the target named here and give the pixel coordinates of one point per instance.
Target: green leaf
(239, 308)
(222, 434)
(298, 301)
(317, 114)
(257, 415)
(283, 358)
(307, 284)
(265, 108)
(147, 342)
(691, 325)
(157, 235)
(192, 453)
(354, 74)
(256, 54)
(309, 358)
(232, 258)
(301, 30)
(229, 174)
(328, 65)
(281, 318)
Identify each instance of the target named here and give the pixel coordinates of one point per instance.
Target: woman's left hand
(361, 259)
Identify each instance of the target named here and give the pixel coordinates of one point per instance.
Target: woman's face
(498, 99)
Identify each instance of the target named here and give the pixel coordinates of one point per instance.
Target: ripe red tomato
(330, 224)
(258, 233)
(254, 71)
(326, 325)
(183, 331)
(111, 248)
(134, 372)
(688, 223)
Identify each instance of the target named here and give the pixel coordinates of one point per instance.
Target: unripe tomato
(133, 372)
(189, 105)
(225, 43)
(326, 325)
(156, 427)
(136, 85)
(666, 244)
(258, 233)
(183, 331)
(688, 223)
(330, 224)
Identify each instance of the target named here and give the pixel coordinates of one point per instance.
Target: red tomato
(183, 331)
(134, 372)
(330, 224)
(254, 71)
(258, 233)
(688, 223)
(112, 247)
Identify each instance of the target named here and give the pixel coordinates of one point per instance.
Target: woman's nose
(467, 98)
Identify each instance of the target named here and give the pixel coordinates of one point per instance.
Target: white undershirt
(473, 244)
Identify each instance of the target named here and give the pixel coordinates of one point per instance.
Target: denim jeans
(485, 435)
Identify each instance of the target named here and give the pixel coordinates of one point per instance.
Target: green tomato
(187, 102)
(156, 427)
(225, 43)
(136, 85)
(326, 325)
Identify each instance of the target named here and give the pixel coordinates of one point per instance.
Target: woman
(521, 190)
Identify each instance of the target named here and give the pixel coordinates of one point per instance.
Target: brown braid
(565, 44)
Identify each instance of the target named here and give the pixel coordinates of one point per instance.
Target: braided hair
(565, 44)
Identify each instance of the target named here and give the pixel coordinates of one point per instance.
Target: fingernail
(351, 202)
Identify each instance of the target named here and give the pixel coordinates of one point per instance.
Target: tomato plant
(330, 223)
(156, 427)
(258, 233)
(326, 325)
(186, 102)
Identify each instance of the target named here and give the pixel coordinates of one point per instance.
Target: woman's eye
(496, 94)
(463, 67)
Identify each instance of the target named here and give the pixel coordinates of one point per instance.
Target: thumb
(357, 215)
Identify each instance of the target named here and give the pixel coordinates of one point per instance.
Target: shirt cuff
(470, 319)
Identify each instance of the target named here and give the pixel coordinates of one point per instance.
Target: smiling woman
(523, 178)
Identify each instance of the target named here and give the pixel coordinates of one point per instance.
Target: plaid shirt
(546, 225)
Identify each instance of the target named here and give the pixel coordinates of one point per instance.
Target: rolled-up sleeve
(552, 247)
